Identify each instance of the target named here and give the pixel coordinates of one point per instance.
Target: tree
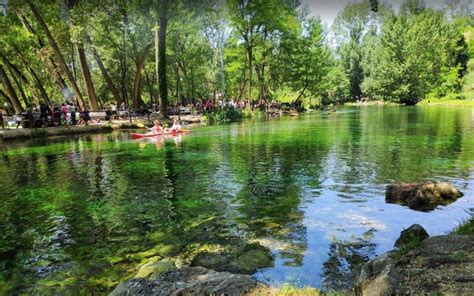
(305, 59)
(162, 80)
(58, 53)
(11, 94)
(350, 27)
(415, 54)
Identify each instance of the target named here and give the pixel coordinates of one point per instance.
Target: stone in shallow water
(188, 281)
(246, 259)
(424, 196)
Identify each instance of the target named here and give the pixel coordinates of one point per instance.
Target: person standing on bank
(72, 110)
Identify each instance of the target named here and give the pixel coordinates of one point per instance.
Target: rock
(162, 266)
(252, 257)
(245, 260)
(442, 265)
(377, 277)
(153, 268)
(411, 236)
(424, 196)
(145, 270)
(189, 281)
(212, 260)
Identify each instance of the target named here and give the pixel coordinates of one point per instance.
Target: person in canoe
(156, 129)
(175, 128)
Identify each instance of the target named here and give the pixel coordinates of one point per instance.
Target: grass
(465, 228)
(444, 102)
(291, 290)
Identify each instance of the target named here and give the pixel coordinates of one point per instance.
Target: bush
(255, 113)
(223, 115)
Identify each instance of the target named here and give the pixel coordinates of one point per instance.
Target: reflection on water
(81, 213)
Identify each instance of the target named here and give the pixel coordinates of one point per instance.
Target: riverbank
(421, 265)
(441, 102)
(101, 127)
(27, 133)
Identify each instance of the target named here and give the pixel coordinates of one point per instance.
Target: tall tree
(105, 73)
(57, 51)
(13, 98)
(162, 80)
(77, 39)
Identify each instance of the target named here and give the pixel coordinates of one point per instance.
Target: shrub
(224, 115)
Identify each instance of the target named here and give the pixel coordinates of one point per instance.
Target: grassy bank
(291, 290)
(465, 228)
(444, 102)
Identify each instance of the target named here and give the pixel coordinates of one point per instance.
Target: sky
(328, 9)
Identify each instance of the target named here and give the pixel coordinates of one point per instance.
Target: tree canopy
(178, 52)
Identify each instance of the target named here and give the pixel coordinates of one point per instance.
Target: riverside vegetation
(178, 52)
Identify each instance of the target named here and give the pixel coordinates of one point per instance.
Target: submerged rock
(246, 259)
(188, 281)
(424, 196)
(440, 265)
(412, 235)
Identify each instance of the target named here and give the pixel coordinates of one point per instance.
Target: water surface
(76, 214)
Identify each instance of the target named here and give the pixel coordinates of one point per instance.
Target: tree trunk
(157, 51)
(249, 53)
(162, 59)
(301, 93)
(87, 77)
(49, 63)
(31, 87)
(104, 71)
(149, 83)
(10, 91)
(123, 62)
(62, 62)
(33, 74)
(17, 83)
(5, 96)
(177, 86)
(137, 100)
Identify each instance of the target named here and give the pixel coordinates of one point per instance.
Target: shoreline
(27, 133)
(103, 127)
(193, 121)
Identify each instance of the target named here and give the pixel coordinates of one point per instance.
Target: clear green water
(76, 213)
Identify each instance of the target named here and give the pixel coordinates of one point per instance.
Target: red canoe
(173, 133)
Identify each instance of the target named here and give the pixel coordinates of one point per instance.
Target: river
(76, 211)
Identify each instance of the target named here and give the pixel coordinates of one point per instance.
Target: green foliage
(224, 115)
(465, 228)
(255, 50)
(410, 63)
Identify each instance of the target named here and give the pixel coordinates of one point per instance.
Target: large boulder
(246, 259)
(424, 196)
(441, 265)
(377, 277)
(188, 281)
(412, 236)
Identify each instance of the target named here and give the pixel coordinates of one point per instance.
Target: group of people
(64, 114)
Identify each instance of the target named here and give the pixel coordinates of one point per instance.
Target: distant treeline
(176, 52)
